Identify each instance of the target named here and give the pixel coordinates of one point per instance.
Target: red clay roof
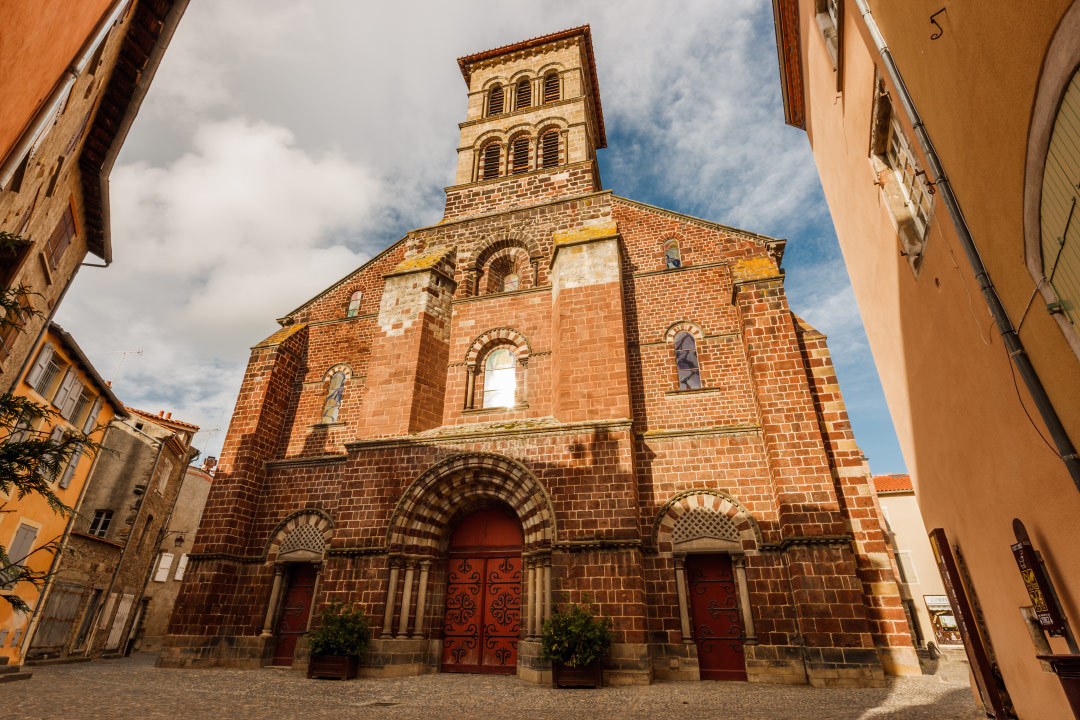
(465, 63)
(162, 420)
(892, 483)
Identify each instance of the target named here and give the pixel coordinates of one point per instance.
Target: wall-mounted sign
(1036, 582)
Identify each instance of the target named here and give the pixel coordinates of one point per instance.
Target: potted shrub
(575, 640)
(342, 633)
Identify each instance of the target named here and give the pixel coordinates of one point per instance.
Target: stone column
(538, 619)
(547, 588)
(684, 610)
(739, 561)
(421, 598)
(391, 598)
(406, 600)
(530, 599)
(271, 607)
(470, 386)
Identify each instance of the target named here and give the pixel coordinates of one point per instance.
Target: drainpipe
(31, 627)
(127, 543)
(1016, 350)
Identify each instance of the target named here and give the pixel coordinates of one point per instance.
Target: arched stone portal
(429, 509)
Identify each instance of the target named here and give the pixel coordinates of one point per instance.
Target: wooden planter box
(588, 676)
(333, 667)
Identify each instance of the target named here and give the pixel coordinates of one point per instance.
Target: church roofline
(282, 320)
(466, 63)
(775, 245)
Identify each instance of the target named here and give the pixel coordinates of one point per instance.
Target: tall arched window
(686, 361)
(495, 100)
(551, 87)
(672, 256)
(332, 404)
(354, 304)
(549, 149)
(519, 155)
(524, 94)
(489, 160)
(500, 379)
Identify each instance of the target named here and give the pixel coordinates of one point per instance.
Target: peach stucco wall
(976, 459)
(38, 40)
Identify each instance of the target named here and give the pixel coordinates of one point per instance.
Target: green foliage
(31, 462)
(575, 636)
(341, 630)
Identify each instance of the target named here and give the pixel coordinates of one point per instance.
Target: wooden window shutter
(549, 147)
(43, 359)
(524, 94)
(551, 87)
(69, 471)
(163, 567)
(61, 396)
(520, 155)
(181, 567)
(61, 238)
(74, 393)
(491, 161)
(91, 419)
(495, 101)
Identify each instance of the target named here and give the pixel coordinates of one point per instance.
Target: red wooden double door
(295, 611)
(714, 613)
(482, 620)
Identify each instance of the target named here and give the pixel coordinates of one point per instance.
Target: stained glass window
(333, 398)
(672, 256)
(510, 282)
(354, 304)
(686, 361)
(500, 381)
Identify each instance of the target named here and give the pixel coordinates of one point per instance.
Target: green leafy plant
(341, 630)
(576, 636)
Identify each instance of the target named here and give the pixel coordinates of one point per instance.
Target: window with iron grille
(549, 149)
(495, 100)
(48, 377)
(520, 155)
(490, 163)
(551, 87)
(524, 94)
(100, 524)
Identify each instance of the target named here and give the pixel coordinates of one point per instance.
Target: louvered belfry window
(495, 100)
(520, 155)
(491, 161)
(524, 94)
(551, 87)
(549, 148)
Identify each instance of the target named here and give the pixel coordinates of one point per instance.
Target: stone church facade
(553, 394)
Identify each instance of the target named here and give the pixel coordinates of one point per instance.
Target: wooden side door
(295, 611)
(714, 612)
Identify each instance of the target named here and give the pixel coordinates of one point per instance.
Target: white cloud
(214, 246)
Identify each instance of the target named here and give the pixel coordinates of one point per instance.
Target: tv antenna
(123, 354)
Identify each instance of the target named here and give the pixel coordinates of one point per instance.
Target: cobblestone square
(134, 688)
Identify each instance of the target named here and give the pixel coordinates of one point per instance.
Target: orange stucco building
(947, 145)
(72, 78)
(60, 378)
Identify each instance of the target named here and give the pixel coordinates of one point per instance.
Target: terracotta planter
(586, 676)
(334, 667)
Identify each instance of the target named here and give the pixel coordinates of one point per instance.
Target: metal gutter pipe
(1065, 448)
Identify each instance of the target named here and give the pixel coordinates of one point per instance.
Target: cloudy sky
(283, 143)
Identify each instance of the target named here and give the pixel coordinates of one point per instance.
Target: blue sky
(284, 143)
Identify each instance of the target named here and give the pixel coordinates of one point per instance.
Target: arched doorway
(482, 619)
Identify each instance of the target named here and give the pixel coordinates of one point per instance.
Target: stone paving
(134, 688)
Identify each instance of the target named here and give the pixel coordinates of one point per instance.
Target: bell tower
(532, 128)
